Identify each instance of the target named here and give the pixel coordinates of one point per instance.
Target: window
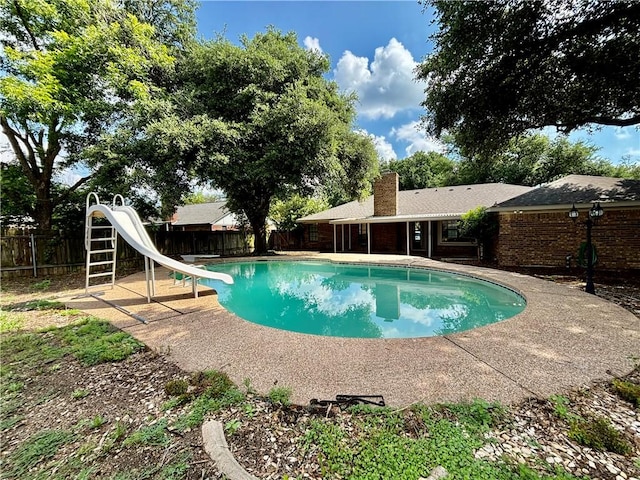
(362, 234)
(449, 234)
(313, 232)
(418, 236)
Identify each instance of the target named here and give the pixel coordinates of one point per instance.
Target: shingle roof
(428, 202)
(578, 189)
(200, 214)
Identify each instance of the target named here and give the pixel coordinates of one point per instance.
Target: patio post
(408, 251)
(429, 240)
(368, 239)
(334, 239)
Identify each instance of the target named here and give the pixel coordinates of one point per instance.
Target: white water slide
(125, 221)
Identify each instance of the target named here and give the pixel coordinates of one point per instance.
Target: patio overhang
(397, 218)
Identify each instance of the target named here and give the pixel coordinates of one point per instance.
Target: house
(535, 229)
(210, 217)
(414, 222)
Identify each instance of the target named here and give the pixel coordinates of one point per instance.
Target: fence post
(34, 256)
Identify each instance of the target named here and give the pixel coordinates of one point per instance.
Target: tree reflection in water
(358, 301)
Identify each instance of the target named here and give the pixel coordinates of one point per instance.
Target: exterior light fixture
(573, 213)
(595, 213)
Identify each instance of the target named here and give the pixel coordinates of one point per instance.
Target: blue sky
(373, 47)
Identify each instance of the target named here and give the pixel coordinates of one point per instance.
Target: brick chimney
(385, 195)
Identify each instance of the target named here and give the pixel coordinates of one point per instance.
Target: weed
(205, 404)
(43, 305)
(232, 426)
(280, 396)
(627, 391)
(249, 410)
(38, 447)
(97, 422)
(560, 405)
(175, 402)
(41, 286)
(118, 433)
(599, 434)
(176, 470)
(176, 387)
(154, 435)
(248, 387)
(478, 415)
(10, 322)
(376, 446)
(13, 387)
(7, 423)
(55, 367)
(80, 393)
(94, 341)
(211, 382)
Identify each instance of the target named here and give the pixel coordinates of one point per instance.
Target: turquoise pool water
(361, 301)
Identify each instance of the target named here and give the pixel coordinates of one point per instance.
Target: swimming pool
(358, 301)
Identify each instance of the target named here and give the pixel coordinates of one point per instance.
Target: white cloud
(633, 152)
(311, 43)
(384, 148)
(417, 140)
(385, 88)
(623, 133)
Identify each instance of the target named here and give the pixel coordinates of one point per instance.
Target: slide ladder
(101, 246)
(101, 243)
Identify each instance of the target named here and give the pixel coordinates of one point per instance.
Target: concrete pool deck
(564, 338)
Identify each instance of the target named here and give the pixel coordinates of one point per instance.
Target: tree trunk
(44, 208)
(258, 224)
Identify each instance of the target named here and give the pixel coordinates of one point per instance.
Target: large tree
(424, 170)
(503, 67)
(72, 72)
(536, 159)
(259, 121)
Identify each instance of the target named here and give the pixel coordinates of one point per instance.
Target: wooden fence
(42, 255)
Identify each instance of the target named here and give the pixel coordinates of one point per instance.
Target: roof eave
(564, 206)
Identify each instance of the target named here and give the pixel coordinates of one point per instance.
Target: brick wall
(546, 238)
(385, 195)
(388, 238)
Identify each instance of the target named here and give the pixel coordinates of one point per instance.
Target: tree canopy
(424, 170)
(536, 159)
(73, 71)
(504, 67)
(260, 122)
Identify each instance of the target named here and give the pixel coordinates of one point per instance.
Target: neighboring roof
(577, 189)
(201, 214)
(427, 203)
